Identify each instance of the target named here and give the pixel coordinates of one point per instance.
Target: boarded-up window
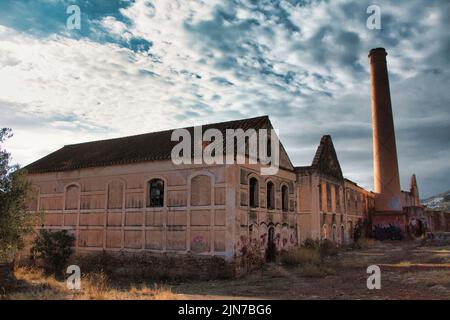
(115, 195)
(72, 196)
(201, 191)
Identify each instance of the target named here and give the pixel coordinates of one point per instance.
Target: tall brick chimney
(386, 177)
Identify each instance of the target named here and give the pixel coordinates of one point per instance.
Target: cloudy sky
(141, 66)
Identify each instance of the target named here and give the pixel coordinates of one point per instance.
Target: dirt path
(408, 271)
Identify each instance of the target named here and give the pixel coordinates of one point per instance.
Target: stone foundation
(147, 266)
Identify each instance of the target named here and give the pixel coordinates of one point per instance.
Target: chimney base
(388, 225)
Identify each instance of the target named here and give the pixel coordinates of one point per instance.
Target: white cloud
(305, 66)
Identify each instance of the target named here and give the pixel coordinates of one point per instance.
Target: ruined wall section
(253, 223)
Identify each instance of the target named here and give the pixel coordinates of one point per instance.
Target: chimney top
(378, 52)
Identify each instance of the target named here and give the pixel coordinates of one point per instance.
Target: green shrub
(55, 248)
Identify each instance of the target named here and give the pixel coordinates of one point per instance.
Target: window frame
(270, 196)
(284, 198)
(149, 203)
(253, 195)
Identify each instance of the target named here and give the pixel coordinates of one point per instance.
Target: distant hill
(438, 202)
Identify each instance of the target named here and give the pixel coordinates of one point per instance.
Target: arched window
(350, 230)
(284, 198)
(334, 233)
(201, 191)
(115, 194)
(328, 188)
(270, 195)
(337, 196)
(325, 231)
(72, 196)
(155, 193)
(320, 197)
(253, 193)
(269, 148)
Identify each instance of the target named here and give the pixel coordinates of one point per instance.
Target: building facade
(154, 205)
(128, 195)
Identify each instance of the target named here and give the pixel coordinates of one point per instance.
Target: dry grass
(35, 285)
(308, 262)
(365, 243)
(408, 272)
(310, 270)
(301, 256)
(428, 278)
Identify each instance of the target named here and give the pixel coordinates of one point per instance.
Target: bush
(300, 256)
(328, 248)
(310, 270)
(15, 222)
(363, 243)
(361, 230)
(387, 233)
(55, 248)
(310, 243)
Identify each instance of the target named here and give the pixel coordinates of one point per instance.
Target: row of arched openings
(200, 193)
(270, 194)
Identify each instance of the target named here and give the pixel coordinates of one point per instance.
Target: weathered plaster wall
(107, 208)
(253, 223)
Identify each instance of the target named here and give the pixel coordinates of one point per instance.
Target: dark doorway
(271, 247)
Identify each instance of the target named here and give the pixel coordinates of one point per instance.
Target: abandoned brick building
(126, 194)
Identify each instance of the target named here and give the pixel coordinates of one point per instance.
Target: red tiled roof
(139, 148)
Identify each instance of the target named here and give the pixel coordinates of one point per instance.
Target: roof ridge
(151, 146)
(264, 117)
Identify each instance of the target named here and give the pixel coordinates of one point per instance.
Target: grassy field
(408, 271)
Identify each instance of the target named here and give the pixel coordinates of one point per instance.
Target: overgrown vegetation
(363, 243)
(387, 233)
(15, 223)
(55, 248)
(312, 258)
(35, 284)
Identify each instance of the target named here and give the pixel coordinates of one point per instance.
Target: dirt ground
(408, 271)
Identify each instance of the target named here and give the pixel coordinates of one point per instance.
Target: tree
(15, 222)
(55, 248)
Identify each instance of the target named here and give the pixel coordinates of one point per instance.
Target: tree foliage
(15, 222)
